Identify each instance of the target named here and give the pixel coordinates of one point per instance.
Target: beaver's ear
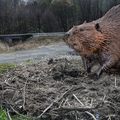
(97, 26)
(75, 29)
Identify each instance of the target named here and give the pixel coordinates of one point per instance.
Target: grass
(3, 115)
(27, 61)
(7, 52)
(4, 67)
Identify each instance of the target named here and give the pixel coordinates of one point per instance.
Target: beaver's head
(84, 38)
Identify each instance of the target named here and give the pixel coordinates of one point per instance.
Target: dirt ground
(52, 90)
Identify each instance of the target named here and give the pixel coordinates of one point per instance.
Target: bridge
(11, 37)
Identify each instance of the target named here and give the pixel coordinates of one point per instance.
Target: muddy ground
(52, 90)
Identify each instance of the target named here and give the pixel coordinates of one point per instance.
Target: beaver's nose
(67, 35)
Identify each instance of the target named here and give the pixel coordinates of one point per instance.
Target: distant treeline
(35, 16)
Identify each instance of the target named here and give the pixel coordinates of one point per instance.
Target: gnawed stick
(81, 109)
(115, 81)
(103, 102)
(58, 99)
(24, 94)
(78, 100)
(68, 103)
(65, 102)
(109, 118)
(17, 111)
(61, 103)
(104, 98)
(9, 115)
(46, 110)
(91, 115)
(91, 102)
(111, 115)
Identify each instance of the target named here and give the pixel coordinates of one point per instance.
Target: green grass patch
(7, 52)
(3, 115)
(27, 61)
(4, 67)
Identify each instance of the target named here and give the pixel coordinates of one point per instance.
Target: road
(45, 52)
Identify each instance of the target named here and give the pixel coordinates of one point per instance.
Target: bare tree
(49, 23)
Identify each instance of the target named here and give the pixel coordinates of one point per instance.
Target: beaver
(98, 41)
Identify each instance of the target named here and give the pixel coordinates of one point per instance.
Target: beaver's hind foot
(83, 74)
(93, 76)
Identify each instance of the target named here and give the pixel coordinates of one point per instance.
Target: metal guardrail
(54, 33)
(10, 37)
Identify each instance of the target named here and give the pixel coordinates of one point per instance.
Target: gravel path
(43, 53)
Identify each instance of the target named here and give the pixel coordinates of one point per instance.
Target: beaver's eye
(74, 44)
(81, 29)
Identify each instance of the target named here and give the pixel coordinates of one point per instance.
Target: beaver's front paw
(93, 76)
(83, 74)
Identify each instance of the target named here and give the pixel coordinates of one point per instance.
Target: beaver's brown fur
(98, 41)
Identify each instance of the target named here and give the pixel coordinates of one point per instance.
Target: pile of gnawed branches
(32, 92)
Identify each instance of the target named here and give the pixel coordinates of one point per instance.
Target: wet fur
(98, 41)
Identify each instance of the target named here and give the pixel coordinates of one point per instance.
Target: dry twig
(91, 102)
(78, 100)
(61, 103)
(24, 94)
(16, 111)
(109, 116)
(104, 98)
(115, 81)
(91, 115)
(54, 102)
(9, 115)
(65, 102)
(81, 109)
